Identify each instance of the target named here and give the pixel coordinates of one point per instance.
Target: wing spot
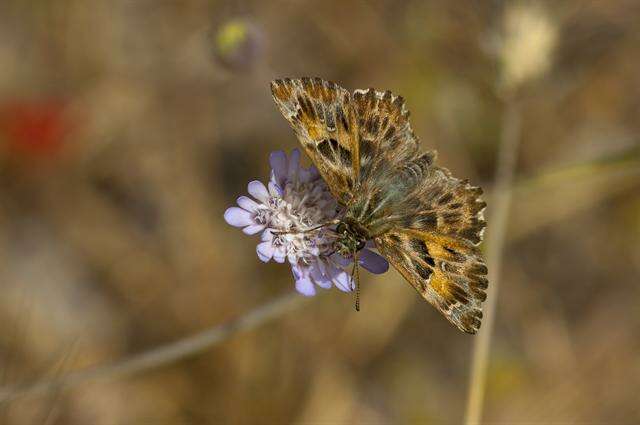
(457, 257)
(390, 132)
(479, 269)
(459, 294)
(452, 218)
(342, 118)
(424, 221)
(423, 272)
(419, 247)
(445, 199)
(332, 151)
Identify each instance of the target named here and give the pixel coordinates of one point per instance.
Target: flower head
(530, 37)
(295, 201)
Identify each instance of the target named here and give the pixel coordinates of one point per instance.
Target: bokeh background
(127, 127)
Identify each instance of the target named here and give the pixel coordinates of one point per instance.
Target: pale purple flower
(297, 199)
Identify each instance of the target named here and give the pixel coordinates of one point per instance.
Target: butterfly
(425, 222)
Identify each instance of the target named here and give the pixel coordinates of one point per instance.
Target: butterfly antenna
(311, 229)
(356, 274)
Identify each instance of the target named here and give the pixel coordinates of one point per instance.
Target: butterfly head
(351, 238)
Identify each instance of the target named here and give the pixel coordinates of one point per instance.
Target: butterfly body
(423, 220)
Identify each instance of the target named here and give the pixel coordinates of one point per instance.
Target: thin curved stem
(161, 355)
(502, 194)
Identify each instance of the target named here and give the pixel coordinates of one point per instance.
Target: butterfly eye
(360, 245)
(341, 229)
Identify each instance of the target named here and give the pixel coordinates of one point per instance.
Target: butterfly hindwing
(322, 116)
(446, 205)
(448, 272)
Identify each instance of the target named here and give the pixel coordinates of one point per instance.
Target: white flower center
(301, 207)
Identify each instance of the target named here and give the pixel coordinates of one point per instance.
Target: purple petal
(305, 175)
(278, 162)
(320, 279)
(238, 217)
(267, 235)
(303, 282)
(294, 164)
(373, 262)
(298, 272)
(279, 255)
(253, 229)
(341, 261)
(313, 172)
(342, 280)
(305, 287)
(275, 190)
(265, 251)
(258, 191)
(247, 203)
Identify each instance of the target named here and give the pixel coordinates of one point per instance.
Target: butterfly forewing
(424, 221)
(384, 132)
(322, 116)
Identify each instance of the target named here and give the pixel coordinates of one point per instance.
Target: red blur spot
(36, 129)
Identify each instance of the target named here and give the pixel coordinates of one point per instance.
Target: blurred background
(128, 127)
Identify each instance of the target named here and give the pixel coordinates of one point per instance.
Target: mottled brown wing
(322, 116)
(444, 204)
(384, 132)
(448, 272)
(431, 238)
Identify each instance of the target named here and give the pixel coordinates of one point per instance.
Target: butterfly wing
(424, 221)
(350, 137)
(322, 116)
(446, 271)
(384, 133)
(433, 244)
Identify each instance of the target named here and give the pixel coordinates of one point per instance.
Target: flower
(238, 44)
(529, 40)
(286, 211)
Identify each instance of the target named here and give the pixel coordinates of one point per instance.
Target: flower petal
(294, 165)
(341, 261)
(279, 255)
(342, 280)
(303, 282)
(253, 229)
(313, 172)
(319, 278)
(275, 189)
(265, 251)
(267, 235)
(373, 262)
(247, 203)
(238, 217)
(305, 287)
(258, 191)
(278, 162)
(306, 175)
